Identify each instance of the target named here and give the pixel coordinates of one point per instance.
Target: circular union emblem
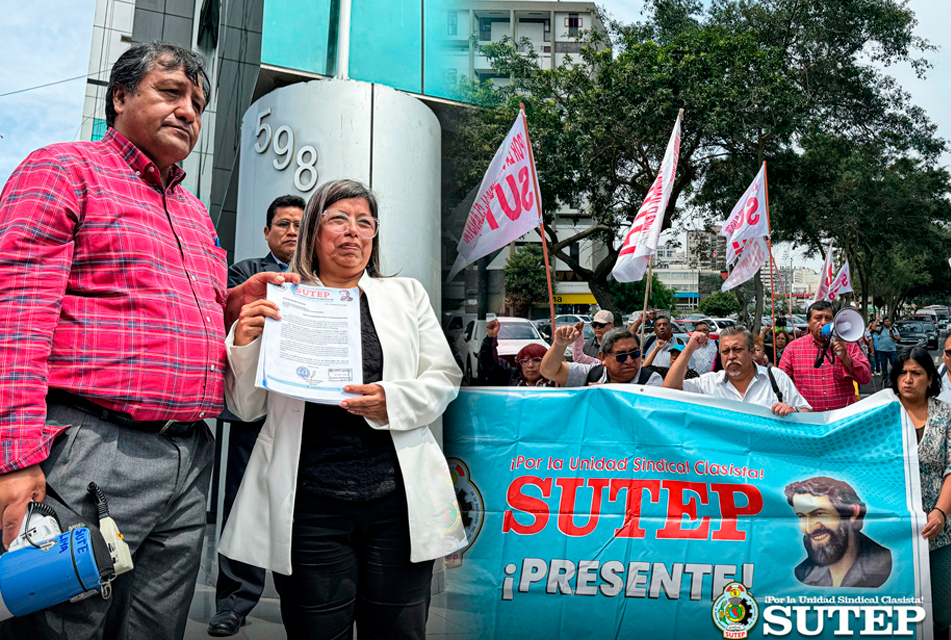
(735, 612)
(303, 372)
(471, 504)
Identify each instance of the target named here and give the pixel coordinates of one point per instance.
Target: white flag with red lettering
(753, 255)
(825, 278)
(505, 208)
(748, 219)
(841, 284)
(640, 242)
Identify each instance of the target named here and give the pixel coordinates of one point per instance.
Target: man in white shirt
(620, 357)
(703, 357)
(741, 379)
(945, 395)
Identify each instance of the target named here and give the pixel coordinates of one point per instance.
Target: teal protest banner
(625, 511)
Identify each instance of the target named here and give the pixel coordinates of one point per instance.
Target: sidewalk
(264, 623)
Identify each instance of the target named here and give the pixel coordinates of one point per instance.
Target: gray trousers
(157, 489)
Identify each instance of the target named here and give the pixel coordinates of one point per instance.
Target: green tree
(720, 304)
(628, 297)
(754, 85)
(525, 281)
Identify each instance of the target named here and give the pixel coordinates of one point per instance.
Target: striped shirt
(831, 385)
(113, 288)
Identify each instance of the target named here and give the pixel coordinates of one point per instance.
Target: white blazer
(420, 378)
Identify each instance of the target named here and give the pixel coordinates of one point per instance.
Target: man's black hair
(137, 61)
(923, 358)
(822, 305)
(284, 201)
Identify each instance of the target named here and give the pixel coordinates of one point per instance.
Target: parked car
(911, 334)
(931, 330)
(688, 326)
(514, 333)
(562, 318)
(454, 322)
(545, 329)
(722, 323)
(799, 321)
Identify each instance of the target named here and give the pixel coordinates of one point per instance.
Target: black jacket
(241, 271)
(237, 274)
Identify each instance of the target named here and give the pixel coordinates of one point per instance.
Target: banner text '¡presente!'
(681, 506)
(642, 580)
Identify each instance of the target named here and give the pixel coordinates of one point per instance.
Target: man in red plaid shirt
(831, 385)
(113, 286)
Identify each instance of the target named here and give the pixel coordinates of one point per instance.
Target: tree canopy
(525, 281)
(796, 83)
(721, 303)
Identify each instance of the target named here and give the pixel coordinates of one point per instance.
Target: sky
(45, 41)
(41, 41)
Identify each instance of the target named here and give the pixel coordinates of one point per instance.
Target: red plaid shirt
(112, 288)
(831, 385)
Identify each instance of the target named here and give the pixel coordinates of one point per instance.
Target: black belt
(165, 427)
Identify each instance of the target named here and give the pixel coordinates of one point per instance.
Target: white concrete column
(343, 39)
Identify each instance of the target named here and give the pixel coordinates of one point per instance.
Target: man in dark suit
(240, 585)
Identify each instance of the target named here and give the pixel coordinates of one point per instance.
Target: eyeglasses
(600, 325)
(525, 361)
(947, 352)
(622, 357)
(285, 224)
(339, 222)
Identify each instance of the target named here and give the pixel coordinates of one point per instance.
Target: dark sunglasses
(947, 352)
(525, 361)
(622, 357)
(600, 325)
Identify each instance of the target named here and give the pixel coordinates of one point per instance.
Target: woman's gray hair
(304, 261)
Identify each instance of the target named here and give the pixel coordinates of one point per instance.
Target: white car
(563, 318)
(723, 323)
(514, 333)
(454, 322)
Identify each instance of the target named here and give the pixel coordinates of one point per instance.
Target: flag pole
(647, 293)
(783, 286)
(769, 246)
(541, 221)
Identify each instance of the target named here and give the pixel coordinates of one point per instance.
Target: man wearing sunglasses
(620, 357)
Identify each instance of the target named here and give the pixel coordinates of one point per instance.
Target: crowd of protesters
(104, 246)
(812, 372)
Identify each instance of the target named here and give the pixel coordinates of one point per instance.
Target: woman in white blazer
(349, 505)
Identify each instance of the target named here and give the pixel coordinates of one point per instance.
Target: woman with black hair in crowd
(916, 382)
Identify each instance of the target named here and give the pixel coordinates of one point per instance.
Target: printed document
(315, 349)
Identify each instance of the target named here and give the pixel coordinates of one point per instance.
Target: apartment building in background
(255, 47)
(551, 29)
